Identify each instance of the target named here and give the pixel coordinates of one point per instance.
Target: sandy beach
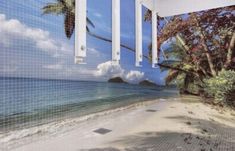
(161, 125)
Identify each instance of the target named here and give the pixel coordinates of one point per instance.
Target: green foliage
(222, 87)
(188, 83)
(180, 81)
(199, 47)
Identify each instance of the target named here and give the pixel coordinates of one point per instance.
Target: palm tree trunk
(230, 52)
(208, 55)
(182, 42)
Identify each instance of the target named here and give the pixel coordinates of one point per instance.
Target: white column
(138, 33)
(116, 40)
(154, 39)
(80, 31)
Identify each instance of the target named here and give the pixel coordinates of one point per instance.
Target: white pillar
(80, 31)
(154, 39)
(116, 40)
(138, 33)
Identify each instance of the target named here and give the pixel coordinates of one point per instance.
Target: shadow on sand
(211, 136)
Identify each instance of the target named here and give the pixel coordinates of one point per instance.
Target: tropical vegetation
(222, 87)
(200, 57)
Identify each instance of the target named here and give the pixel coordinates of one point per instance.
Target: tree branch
(205, 47)
(230, 52)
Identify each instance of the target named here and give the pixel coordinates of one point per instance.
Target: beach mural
(40, 83)
(42, 89)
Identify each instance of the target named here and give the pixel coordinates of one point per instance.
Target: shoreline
(24, 136)
(182, 118)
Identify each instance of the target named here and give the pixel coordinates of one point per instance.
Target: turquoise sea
(28, 102)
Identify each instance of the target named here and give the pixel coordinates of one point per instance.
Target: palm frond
(174, 51)
(170, 63)
(172, 75)
(69, 3)
(66, 8)
(53, 8)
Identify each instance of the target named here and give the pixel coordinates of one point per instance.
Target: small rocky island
(116, 80)
(147, 83)
(142, 83)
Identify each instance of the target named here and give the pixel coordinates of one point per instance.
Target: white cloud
(110, 70)
(93, 51)
(13, 32)
(10, 68)
(57, 66)
(98, 15)
(81, 71)
(46, 45)
(13, 29)
(134, 76)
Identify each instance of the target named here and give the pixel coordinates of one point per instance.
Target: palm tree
(182, 68)
(67, 9)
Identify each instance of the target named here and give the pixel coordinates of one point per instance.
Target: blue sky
(34, 45)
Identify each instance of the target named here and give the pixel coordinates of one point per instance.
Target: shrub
(222, 87)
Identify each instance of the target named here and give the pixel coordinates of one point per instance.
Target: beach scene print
(48, 102)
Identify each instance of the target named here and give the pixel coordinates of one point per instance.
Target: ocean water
(28, 102)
